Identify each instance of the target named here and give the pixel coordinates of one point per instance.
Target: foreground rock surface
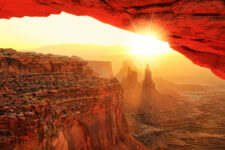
(195, 28)
(55, 102)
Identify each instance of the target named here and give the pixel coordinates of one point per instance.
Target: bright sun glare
(148, 45)
(28, 33)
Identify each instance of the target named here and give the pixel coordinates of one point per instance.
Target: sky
(83, 36)
(34, 32)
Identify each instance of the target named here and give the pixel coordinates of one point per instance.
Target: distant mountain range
(172, 67)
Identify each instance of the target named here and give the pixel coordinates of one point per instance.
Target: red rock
(4, 90)
(193, 28)
(60, 108)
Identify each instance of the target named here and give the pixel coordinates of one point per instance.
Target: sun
(148, 45)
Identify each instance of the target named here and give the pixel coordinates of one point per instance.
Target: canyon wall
(194, 28)
(56, 102)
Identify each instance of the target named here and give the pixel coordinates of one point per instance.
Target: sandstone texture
(195, 28)
(56, 102)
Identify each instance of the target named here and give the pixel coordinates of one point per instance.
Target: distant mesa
(102, 68)
(130, 80)
(128, 65)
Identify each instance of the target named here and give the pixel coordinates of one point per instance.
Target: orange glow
(148, 45)
(34, 32)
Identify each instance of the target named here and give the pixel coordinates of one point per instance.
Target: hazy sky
(67, 34)
(34, 32)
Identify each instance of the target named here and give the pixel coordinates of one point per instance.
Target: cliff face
(54, 102)
(31, 63)
(194, 28)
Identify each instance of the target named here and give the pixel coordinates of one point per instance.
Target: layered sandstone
(55, 102)
(195, 28)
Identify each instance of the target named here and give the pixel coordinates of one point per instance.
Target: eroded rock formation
(55, 102)
(195, 28)
(147, 110)
(148, 82)
(128, 65)
(130, 80)
(142, 98)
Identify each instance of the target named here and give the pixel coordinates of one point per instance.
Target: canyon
(143, 99)
(168, 116)
(62, 103)
(194, 28)
(58, 102)
(68, 103)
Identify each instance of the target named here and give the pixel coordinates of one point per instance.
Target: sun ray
(148, 45)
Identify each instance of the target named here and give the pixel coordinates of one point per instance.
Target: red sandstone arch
(195, 28)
